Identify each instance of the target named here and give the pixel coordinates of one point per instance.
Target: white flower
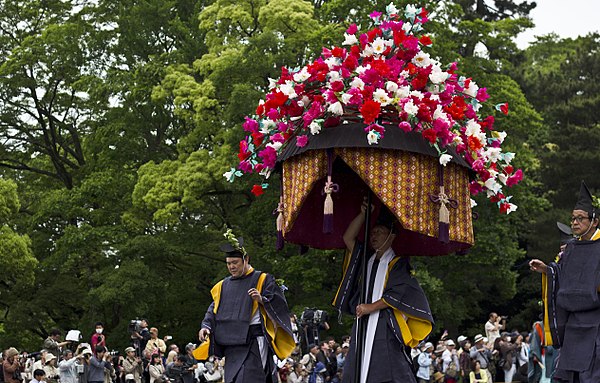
(406, 27)
(302, 76)
(391, 86)
(382, 97)
(332, 62)
(275, 145)
(362, 69)
(315, 128)
(350, 39)
(288, 89)
(378, 45)
(473, 128)
(346, 97)
(411, 9)
(402, 92)
(508, 157)
(472, 89)
(391, 9)
(404, 74)
(422, 59)
(272, 83)
(417, 93)
(266, 172)
(336, 108)
(511, 207)
(439, 114)
(499, 135)
(357, 83)
(267, 125)
(372, 137)
(334, 75)
(457, 140)
(502, 178)
(492, 185)
(411, 108)
(493, 154)
(473, 203)
(437, 76)
(445, 158)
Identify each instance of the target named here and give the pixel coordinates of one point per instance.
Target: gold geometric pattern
(404, 180)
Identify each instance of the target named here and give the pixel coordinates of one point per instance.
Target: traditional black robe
(406, 321)
(232, 335)
(572, 311)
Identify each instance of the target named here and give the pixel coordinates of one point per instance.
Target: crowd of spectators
(497, 356)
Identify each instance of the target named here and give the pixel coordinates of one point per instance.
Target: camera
(114, 353)
(135, 325)
(312, 316)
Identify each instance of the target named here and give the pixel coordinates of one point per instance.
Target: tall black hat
(585, 201)
(565, 232)
(234, 247)
(386, 218)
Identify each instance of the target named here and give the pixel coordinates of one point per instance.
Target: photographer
(313, 322)
(11, 367)
(493, 326)
(155, 343)
(50, 369)
(178, 370)
(67, 368)
(98, 363)
(132, 365)
(141, 335)
(52, 344)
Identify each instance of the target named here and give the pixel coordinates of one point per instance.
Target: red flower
(425, 40)
(474, 143)
(430, 135)
(504, 108)
(337, 86)
(337, 52)
(257, 190)
(370, 111)
(257, 137)
(508, 169)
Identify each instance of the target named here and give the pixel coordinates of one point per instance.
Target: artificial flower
(444, 159)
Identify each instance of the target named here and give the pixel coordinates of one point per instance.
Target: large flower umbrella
(426, 149)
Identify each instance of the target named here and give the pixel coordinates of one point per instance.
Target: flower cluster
(383, 77)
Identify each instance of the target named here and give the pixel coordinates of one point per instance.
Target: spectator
(493, 327)
(156, 369)
(155, 344)
(478, 375)
(98, 338)
(172, 355)
(10, 366)
(190, 362)
(425, 360)
(464, 360)
(52, 344)
(450, 365)
(67, 368)
(177, 370)
(97, 364)
(298, 375)
(38, 376)
(50, 369)
(319, 373)
(482, 354)
(507, 352)
(132, 366)
(309, 360)
(341, 357)
(143, 335)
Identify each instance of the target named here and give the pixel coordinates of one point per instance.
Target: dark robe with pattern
(573, 307)
(389, 361)
(232, 336)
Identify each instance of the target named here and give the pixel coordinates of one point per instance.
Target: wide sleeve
(554, 316)
(276, 316)
(347, 296)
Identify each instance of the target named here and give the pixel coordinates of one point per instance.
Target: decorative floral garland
(382, 77)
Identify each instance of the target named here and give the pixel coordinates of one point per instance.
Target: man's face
(314, 350)
(331, 344)
(131, 354)
(237, 267)
(101, 354)
(325, 347)
(68, 355)
(56, 337)
(493, 317)
(143, 324)
(380, 235)
(580, 222)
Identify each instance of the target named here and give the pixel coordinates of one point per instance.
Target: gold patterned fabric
(404, 180)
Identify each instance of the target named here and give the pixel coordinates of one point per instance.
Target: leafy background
(117, 120)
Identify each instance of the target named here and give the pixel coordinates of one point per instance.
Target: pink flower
(515, 178)
(375, 15)
(406, 126)
(250, 125)
(245, 166)
(352, 29)
(482, 95)
(301, 141)
(269, 156)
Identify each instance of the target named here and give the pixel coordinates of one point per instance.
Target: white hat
(478, 338)
(427, 346)
(461, 338)
(49, 357)
(450, 342)
(86, 351)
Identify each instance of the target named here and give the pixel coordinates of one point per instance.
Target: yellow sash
(282, 342)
